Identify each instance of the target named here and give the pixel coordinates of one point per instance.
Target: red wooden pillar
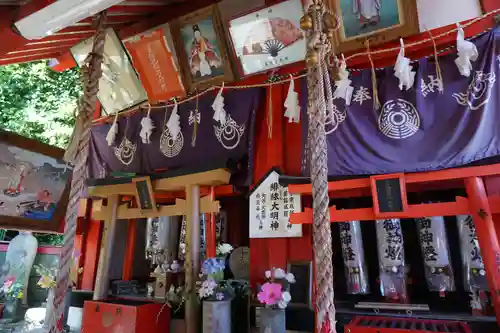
(211, 234)
(128, 262)
(92, 249)
(487, 236)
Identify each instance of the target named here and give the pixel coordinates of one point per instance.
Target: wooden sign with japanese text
(270, 209)
(145, 195)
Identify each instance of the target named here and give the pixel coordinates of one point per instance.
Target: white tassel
(113, 131)
(343, 88)
(147, 127)
(403, 69)
(467, 52)
(292, 104)
(174, 123)
(218, 106)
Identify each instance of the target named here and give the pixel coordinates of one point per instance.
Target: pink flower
(8, 283)
(270, 293)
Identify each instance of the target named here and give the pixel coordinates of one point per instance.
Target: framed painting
(268, 38)
(374, 20)
(201, 48)
(34, 184)
(119, 86)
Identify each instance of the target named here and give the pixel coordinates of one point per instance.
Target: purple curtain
(215, 144)
(419, 129)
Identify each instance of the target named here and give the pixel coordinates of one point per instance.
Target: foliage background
(39, 103)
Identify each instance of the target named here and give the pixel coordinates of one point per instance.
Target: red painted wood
(481, 212)
(489, 5)
(211, 240)
(93, 245)
(20, 58)
(459, 207)
(411, 178)
(53, 250)
(128, 262)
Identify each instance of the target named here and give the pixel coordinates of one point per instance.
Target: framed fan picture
(268, 38)
(374, 20)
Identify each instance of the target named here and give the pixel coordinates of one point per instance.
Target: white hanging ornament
(467, 52)
(403, 70)
(218, 107)
(343, 88)
(174, 123)
(147, 127)
(113, 131)
(292, 104)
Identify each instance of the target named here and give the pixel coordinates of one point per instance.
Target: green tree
(39, 103)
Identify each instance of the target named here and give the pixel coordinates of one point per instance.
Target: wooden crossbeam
(459, 207)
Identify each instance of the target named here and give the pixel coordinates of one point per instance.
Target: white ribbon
(403, 70)
(343, 88)
(218, 107)
(467, 52)
(292, 106)
(173, 123)
(147, 127)
(113, 131)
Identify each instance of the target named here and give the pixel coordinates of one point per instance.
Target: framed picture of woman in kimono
(201, 48)
(378, 21)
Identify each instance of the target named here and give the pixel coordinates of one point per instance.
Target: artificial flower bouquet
(176, 297)
(47, 276)
(274, 293)
(212, 285)
(13, 289)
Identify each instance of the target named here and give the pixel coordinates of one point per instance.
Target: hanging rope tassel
(317, 49)
(113, 131)
(439, 74)
(92, 74)
(147, 127)
(376, 101)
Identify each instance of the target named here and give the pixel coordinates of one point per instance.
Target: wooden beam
(180, 208)
(410, 178)
(459, 207)
(207, 178)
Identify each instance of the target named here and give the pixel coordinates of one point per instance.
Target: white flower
(279, 273)
(286, 297)
(282, 304)
(290, 278)
(224, 248)
(219, 296)
(268, 274)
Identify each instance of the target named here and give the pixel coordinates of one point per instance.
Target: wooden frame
(24, 223)
(375, 195)
(191, 20)
(309, 303)
(278, 61)
(408, 18)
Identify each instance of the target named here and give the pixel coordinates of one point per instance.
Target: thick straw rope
(91, 75)
(317, 76)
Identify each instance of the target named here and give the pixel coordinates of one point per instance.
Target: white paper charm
(113, 131)
(174, 123)
(343, 88)
(403, 69)
(467, 52)
(147, 127)
(292, 104)
(218, 107)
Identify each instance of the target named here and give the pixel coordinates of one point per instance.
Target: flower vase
(49, 308)
(12, 309)
(217, 316)
(272, 320)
